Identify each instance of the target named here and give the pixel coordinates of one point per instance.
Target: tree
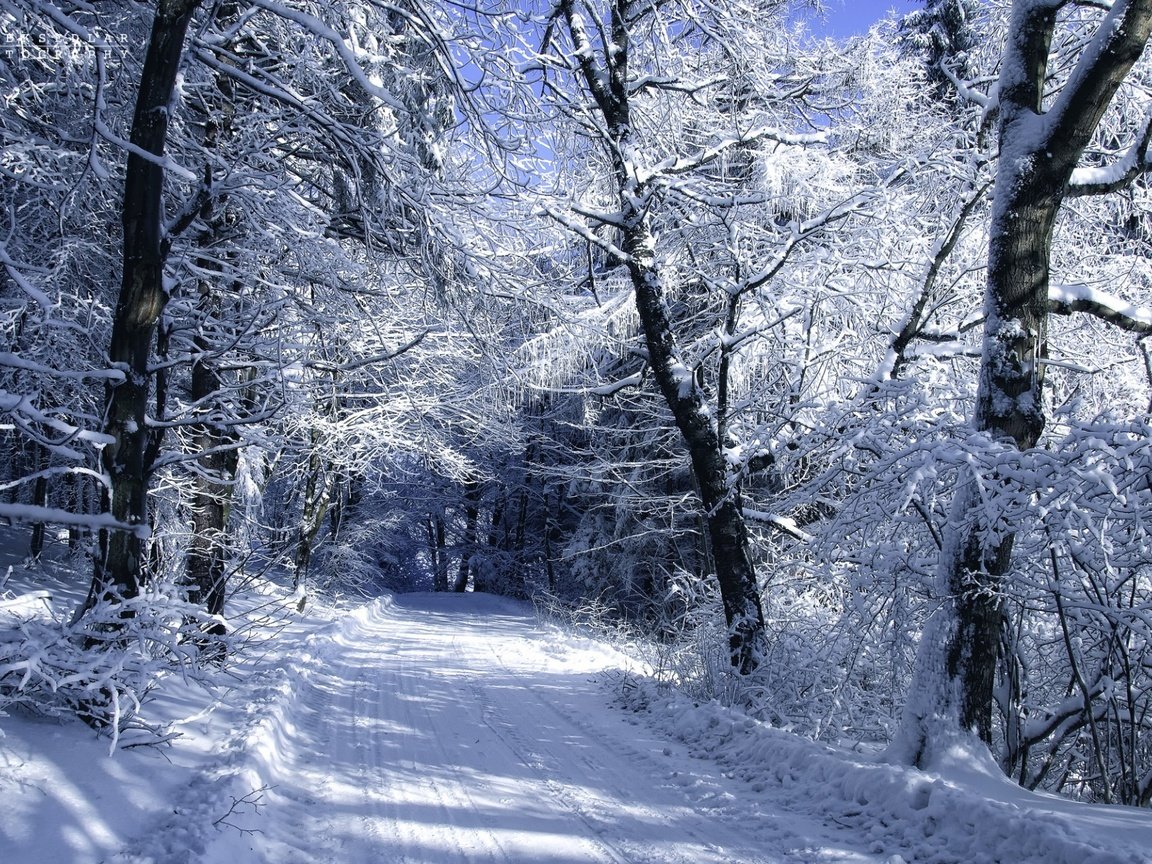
(617, 84)
(143, 295)
(1042, 137)
(942, 34)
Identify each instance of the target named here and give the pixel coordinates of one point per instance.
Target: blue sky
(849, 17)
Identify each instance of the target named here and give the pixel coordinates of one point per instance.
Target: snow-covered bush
(102, 667)
(1073, 693)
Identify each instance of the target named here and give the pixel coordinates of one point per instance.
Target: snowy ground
(454, 728)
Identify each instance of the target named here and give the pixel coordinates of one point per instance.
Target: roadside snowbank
(962, 815)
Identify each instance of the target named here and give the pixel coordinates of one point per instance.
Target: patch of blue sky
(844, 18)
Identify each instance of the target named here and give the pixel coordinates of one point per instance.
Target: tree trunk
(39, 499)
(727, 533)
(471, 535)
(953, 689)
(215, 441)
(435, 529)
(121, 557)
(206, 567)
(313, 509)
(607, 80)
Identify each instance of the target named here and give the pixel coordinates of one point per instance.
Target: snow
(33, 513)
(1109, 304)
(456, 728)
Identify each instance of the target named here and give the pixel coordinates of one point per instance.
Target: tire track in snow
(441, 729)
(716, 825)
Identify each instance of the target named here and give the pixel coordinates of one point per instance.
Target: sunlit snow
(457, 728)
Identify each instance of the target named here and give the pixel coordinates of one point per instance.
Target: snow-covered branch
(15, 361)
(374, 360)
(166, 162)
(968, 92)
(94, 521)
(351, 62)
(781, 523)
(1120, 174)
(586, 233)
(1067, 299)
(685, 164)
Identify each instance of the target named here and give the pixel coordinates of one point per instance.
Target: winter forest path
(450, 728)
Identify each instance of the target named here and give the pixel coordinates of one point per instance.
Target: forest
(820, 364)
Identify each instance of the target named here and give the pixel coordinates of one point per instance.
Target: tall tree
(143, 295)
(1041, 136)
(603, 67)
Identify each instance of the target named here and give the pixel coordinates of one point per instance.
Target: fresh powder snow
(438, 728)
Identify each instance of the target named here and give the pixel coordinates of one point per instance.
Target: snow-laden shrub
(102, 667)
(1073, 689)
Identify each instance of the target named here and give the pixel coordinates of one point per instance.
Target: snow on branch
(95, 521)
(586, 233)
(968, 92)
(780, 523)
(611, 388)
(351, 63)
(801, 231)
(732, 341)
(614, 387)
(375, 359)
(1104, 62)
(14, 361)
(1099, 180)
(165, 162)
(22, 410)
(685, 164)
(674, 84)
(42, 299)
(615, 219)
(1067, 299)
(65, 21)
(57, 471)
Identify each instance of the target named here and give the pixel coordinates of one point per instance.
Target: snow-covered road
(450, 728)
(455, 729)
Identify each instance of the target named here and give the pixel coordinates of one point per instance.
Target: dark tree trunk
(727, 533)
(215, 441)
(121, 558)
(549, 531)
(471, 534)
(953, 689)
(439, 552)
(76, 502)
(313, 509)
(41, 460)
(211, 495)
(607, 80)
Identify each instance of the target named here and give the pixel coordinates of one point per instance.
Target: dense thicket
(819, 365)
